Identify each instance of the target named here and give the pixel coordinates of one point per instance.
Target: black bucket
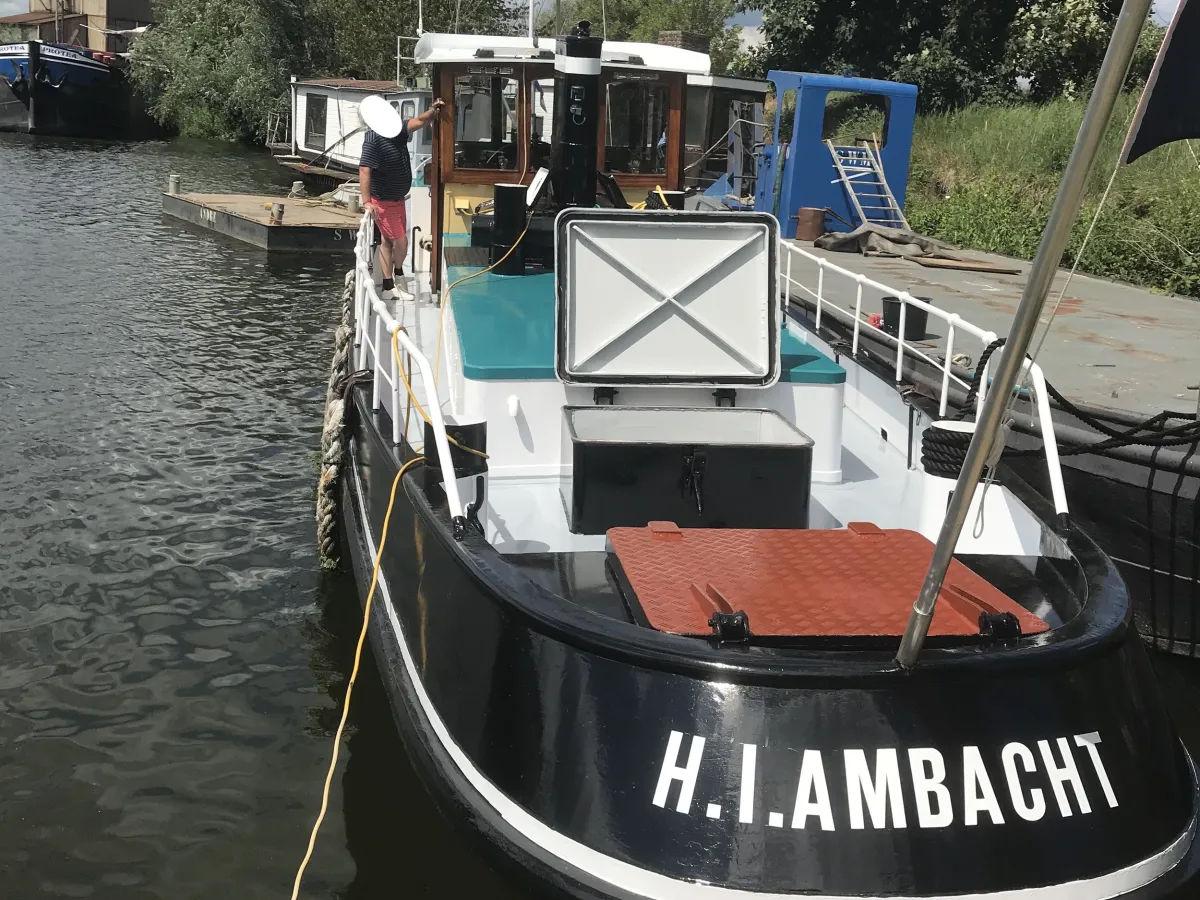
(915, 319)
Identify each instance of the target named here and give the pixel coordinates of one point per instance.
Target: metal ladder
(861, 173)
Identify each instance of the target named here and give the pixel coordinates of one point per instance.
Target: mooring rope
(333, 436)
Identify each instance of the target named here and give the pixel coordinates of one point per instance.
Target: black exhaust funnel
(576, 117)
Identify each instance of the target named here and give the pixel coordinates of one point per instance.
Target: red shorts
(391, 218)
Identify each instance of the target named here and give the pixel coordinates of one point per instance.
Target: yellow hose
(362, 639)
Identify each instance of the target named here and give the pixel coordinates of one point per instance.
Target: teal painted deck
(506, 331)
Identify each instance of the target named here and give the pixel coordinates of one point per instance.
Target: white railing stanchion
(395, 389)
(857, 316)
(905, 299)
(453, 499)
(1058, 490)
(820, 289)
(375, 363)
(953, 320)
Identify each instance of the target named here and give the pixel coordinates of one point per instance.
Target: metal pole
(1041, 275)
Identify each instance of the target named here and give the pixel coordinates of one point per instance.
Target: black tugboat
(661, 610)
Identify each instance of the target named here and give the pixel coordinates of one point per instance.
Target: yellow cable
(362, 638)
(662, 196)
(417, 403)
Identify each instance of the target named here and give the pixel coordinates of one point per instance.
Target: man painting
(384, 178)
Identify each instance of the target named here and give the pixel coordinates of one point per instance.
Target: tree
(218, 68)
(955, 51)
(363, 46)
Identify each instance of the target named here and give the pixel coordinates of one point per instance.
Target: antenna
(420, 18)
(604, 20)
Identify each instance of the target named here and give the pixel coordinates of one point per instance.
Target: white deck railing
(954, 324)
(374, 329)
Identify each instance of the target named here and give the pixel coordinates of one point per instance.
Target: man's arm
(364, 184)
(426, 118)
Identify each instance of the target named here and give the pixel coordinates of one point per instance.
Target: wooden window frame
(676, 98)
(443, 171)
(444, 139)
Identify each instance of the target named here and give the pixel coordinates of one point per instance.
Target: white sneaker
(403, 295)
(388, 294)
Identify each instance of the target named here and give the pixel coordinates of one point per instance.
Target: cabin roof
(462, 48)
(731, 84)
(368, 87)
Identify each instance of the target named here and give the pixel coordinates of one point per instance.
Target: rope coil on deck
(333, 432)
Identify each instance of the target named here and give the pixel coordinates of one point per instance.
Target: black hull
(546, 731)
(113, 111)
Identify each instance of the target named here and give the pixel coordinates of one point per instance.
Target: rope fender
(333, 431)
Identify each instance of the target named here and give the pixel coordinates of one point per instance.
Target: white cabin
(327, 131)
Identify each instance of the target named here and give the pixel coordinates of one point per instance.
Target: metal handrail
(953, 321)
(366, 300)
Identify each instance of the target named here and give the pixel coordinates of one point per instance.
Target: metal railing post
(395, 410)
(857, 317)
(375, 365)
(820, 290)
(946, 366)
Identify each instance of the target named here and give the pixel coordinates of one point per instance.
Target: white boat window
(541, 122)
(485, 122)
(316, 107)
(851, 116)
(636, 127)
(408, 110)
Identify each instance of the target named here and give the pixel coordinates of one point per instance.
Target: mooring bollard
(297, 188)
(276, 213)
(353, 204)
(173, 184)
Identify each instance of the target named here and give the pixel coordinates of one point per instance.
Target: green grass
(985, 178)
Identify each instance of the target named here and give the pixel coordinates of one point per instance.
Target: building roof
(371, 87)
(29, 18)
(462, 48)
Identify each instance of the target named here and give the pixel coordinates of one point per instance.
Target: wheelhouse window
(485, 122)
(541, 122)
(315, 111)
(636, 119)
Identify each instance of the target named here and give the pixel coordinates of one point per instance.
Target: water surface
(171, 655)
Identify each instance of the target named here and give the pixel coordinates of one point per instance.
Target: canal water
(171, 655)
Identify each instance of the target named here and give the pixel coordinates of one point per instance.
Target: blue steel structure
(808, 176)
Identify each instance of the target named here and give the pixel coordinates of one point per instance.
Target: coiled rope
(944, 449)
(333, 432)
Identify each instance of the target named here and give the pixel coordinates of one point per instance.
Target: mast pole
(1037, 285)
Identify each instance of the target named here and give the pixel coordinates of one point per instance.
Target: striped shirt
(391, 168)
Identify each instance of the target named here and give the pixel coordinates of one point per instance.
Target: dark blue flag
(1170, 106)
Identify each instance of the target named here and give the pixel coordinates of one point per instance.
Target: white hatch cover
(667, 298)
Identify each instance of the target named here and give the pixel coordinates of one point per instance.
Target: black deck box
(710, 467)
